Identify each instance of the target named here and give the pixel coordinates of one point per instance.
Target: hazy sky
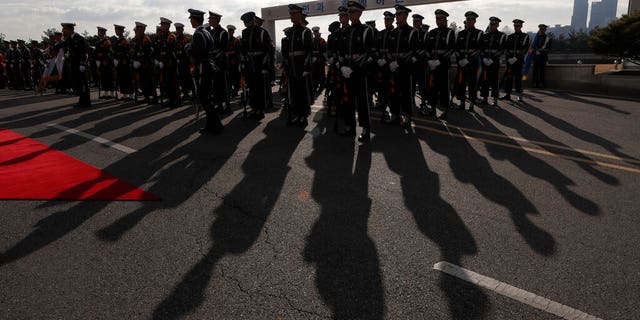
(27, 19)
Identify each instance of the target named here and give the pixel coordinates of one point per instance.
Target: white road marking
(528, 298)
(103, 141)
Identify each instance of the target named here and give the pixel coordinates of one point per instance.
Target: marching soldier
(143, 64)
(201, 46)
(220, 47)
(492, 48)
(318, 60)
(104, 63)
(541, 56)
(468, 45)
(440, 46)
(384, 49)
(183, 60)
(233, 57)
(122, 63)
(297, 56)
(373, 74)
(358, 54)
(421, 70)
(76, 47)
(516, 47)
(256, 47)
(404, 43)
(168, 64)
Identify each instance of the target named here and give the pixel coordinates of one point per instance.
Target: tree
(47, 33)
(619, 38)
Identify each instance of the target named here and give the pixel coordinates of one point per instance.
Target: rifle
(195, 100)
(244, 100)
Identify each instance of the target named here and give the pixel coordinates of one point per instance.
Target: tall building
(602, 13)
(634, 5)
(580, 13)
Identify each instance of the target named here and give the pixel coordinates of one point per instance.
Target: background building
(602, 13)
(634, 5)
(580, 14)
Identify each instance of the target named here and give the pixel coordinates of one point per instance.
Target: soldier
(404, 43)
(271, 69)
(516, 47)
(76, 47)
(373, 74)
(143, 64)
(284, 81)
(541, 56)
(468, 46)
(25, 65)
(318, 60)
(421, 70)
(201, 46)
(220, 47)
(359, 47)
(492, 48)
(384, 47)
(297, 57)
(37, 63)
(104, 63)
(183, 60)
(233, 57)
(440, 45)
(3, 64)
(168, 64)
(11, 56)
(122, 63)
(256, 46)
(333, 80)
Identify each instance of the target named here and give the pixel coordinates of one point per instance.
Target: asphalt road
(268, 221)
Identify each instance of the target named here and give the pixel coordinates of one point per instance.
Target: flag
(53, 71)
(528, 60)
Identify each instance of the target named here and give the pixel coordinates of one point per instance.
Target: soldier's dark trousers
(125, 82)
(146, 81)
(81, 86)
(319, 76)
(513, 74)
(491, 80)
(186, 84)
(421, 77)
(220, 84)
(300, 96)
(470, 81)
(106, 77)
(170, 85)
(204, 90)
(439, 87)
(539, 66)
(258, 95)
(19, 80)
(357, 99)
(402, 93)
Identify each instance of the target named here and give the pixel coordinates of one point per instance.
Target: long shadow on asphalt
(348, 276)
(240, 218)
(574, 98)
(437, 220)
(19, 98)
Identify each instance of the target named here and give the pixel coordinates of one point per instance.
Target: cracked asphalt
(268, 221)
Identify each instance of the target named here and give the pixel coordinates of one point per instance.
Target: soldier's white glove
(116, 62)
(31, 65)
(314, 59)
(305, 74)
(512, 60)
(463, 63)
(98, 63)
(136, 64)
(433, 64)
(83, 68)
(381, 62)
(414, 59)
(487, 62)
(393, 66)
(346, 72)
(161, 65)
(178, 61)
(331, 60)
(156, 62)
(369, 60)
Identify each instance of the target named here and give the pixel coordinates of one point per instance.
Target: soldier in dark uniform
(8, 59)
(25, 65)
(3, 64)
(143, 64)
(402, 56)
(168, 63)
(541, 56)
(515, 49)
(492, 48)
(373, 73)
(233, 57)
(359, 46)
(333, 83)
(421, 70)
(37, 63)
(318, 60)
(16, 63)
(104, 63)
(183, 60)
(297, 57)
(76, 47)
(122, 63)
(384, 74)
(271, 69)
(468, 49)
(200, 51)
(441, 43)
(256, 47)
(220, 47)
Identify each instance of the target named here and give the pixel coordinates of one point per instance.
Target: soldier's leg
(517, 77)
(495, 82)
(508, 81)
(213, 124)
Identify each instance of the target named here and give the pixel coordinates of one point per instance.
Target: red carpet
(30, 170)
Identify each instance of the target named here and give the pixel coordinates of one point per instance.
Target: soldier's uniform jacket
(492, 45)
(384, 45)
(358, 46)
(26, 56)
(517, 45)
(181, 50)
(220, 38)
(403, 45)
(319, 49)
(77, 49)
(121, 50)
(423, 39)
(143, 51)
(441, 43)
(12, 57)
(233, 51)
(103, 52)
(201, 47)
(468, 44)
(256, 48)
(544, 44)
(167, 44)
(36, 56)
(332, 45)
(298, 51)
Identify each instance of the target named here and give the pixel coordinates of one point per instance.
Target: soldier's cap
(178, 25)
(214, 15)
(388, 15)
(140, 25)
(354, 6)
(68, 24)
(334, 26)
(315, 29)
(20, 41)
(165, 20)
(441, 13)
(471, 14)
(518, 22)
(195, 13)
(231, 27)
(34, 42)
(13, 42)
(495, 20)
(543, 26)
(248, 17)
(294, 8)
(370, 23)
(343, 11)
(117, 26)
(417, 17)
(401, 9)
(103, 29)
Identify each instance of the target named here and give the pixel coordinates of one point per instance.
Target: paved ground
(273, 222)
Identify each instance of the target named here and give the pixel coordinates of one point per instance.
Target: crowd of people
(398, 65)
